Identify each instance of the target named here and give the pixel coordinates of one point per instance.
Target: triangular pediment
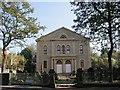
(62, 34)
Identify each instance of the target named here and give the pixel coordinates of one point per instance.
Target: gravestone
(45, 78)
(79, 77)
(91, 74)
(52, 78)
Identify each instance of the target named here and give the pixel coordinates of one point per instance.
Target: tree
(15, 62)
(94, 60)
(28, 55)
(16, 24)
(100, 21)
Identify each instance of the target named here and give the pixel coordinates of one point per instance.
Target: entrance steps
(64, 81)
(63, 77)
(64, 85)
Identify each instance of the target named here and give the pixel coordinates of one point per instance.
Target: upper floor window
(45, 49)
(63, 49)
(63, 36)
(58, 49)
(81, 49)
(68, 49)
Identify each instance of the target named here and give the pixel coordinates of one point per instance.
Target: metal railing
(40, 79)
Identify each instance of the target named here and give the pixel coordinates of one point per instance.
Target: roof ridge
(61, 28)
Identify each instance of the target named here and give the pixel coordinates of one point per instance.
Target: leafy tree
(28, 54)
(94, 60)
(19, 62)
(100, 21)
(15, 62)
(16, 24)
(102, 60)
(114, 58)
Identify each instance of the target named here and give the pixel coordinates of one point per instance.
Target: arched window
(63, 36)
(59, 66)
(82, 63)
(68, 66)
(63, 49)
(58, 49)
(68, 62)
(68, 49)
(81, 49)
(45, 64)
(59, 62)
(45, 49)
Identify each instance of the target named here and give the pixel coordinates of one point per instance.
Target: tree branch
(94, 5)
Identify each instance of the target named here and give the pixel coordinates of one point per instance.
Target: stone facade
(63, 50)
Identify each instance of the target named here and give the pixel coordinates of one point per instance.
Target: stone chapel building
(63, 50)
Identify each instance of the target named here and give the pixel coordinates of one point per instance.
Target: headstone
(52, 78)
(91, 75)
(79, 77)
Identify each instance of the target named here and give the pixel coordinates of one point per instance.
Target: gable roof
(63, 29)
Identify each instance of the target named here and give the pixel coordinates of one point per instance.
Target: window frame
(63, 49)
(81, 49)
(45, 64)
(68, 49)
(63, 36)
(82, 63)
(58, 49)
(45, 49)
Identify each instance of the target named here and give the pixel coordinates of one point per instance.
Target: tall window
(68, 49)
(45, 64)
(63, 49)
(82, 63)
(58, 49)
(68, 66)
(81, 49)
(45, 49)
(59, 66)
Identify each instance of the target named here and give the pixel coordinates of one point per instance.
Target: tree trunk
(110, 65)
(111, 43)
(3, 59)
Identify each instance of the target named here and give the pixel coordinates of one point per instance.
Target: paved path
(23, 87)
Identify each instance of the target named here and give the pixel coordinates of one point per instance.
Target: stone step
(63, 77)
(64, 85)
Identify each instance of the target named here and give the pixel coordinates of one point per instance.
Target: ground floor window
(59, 66)
(45, 64)
(68, 66)
(63, 66)
(82, 63)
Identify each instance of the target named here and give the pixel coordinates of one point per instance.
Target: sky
(53, 15)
